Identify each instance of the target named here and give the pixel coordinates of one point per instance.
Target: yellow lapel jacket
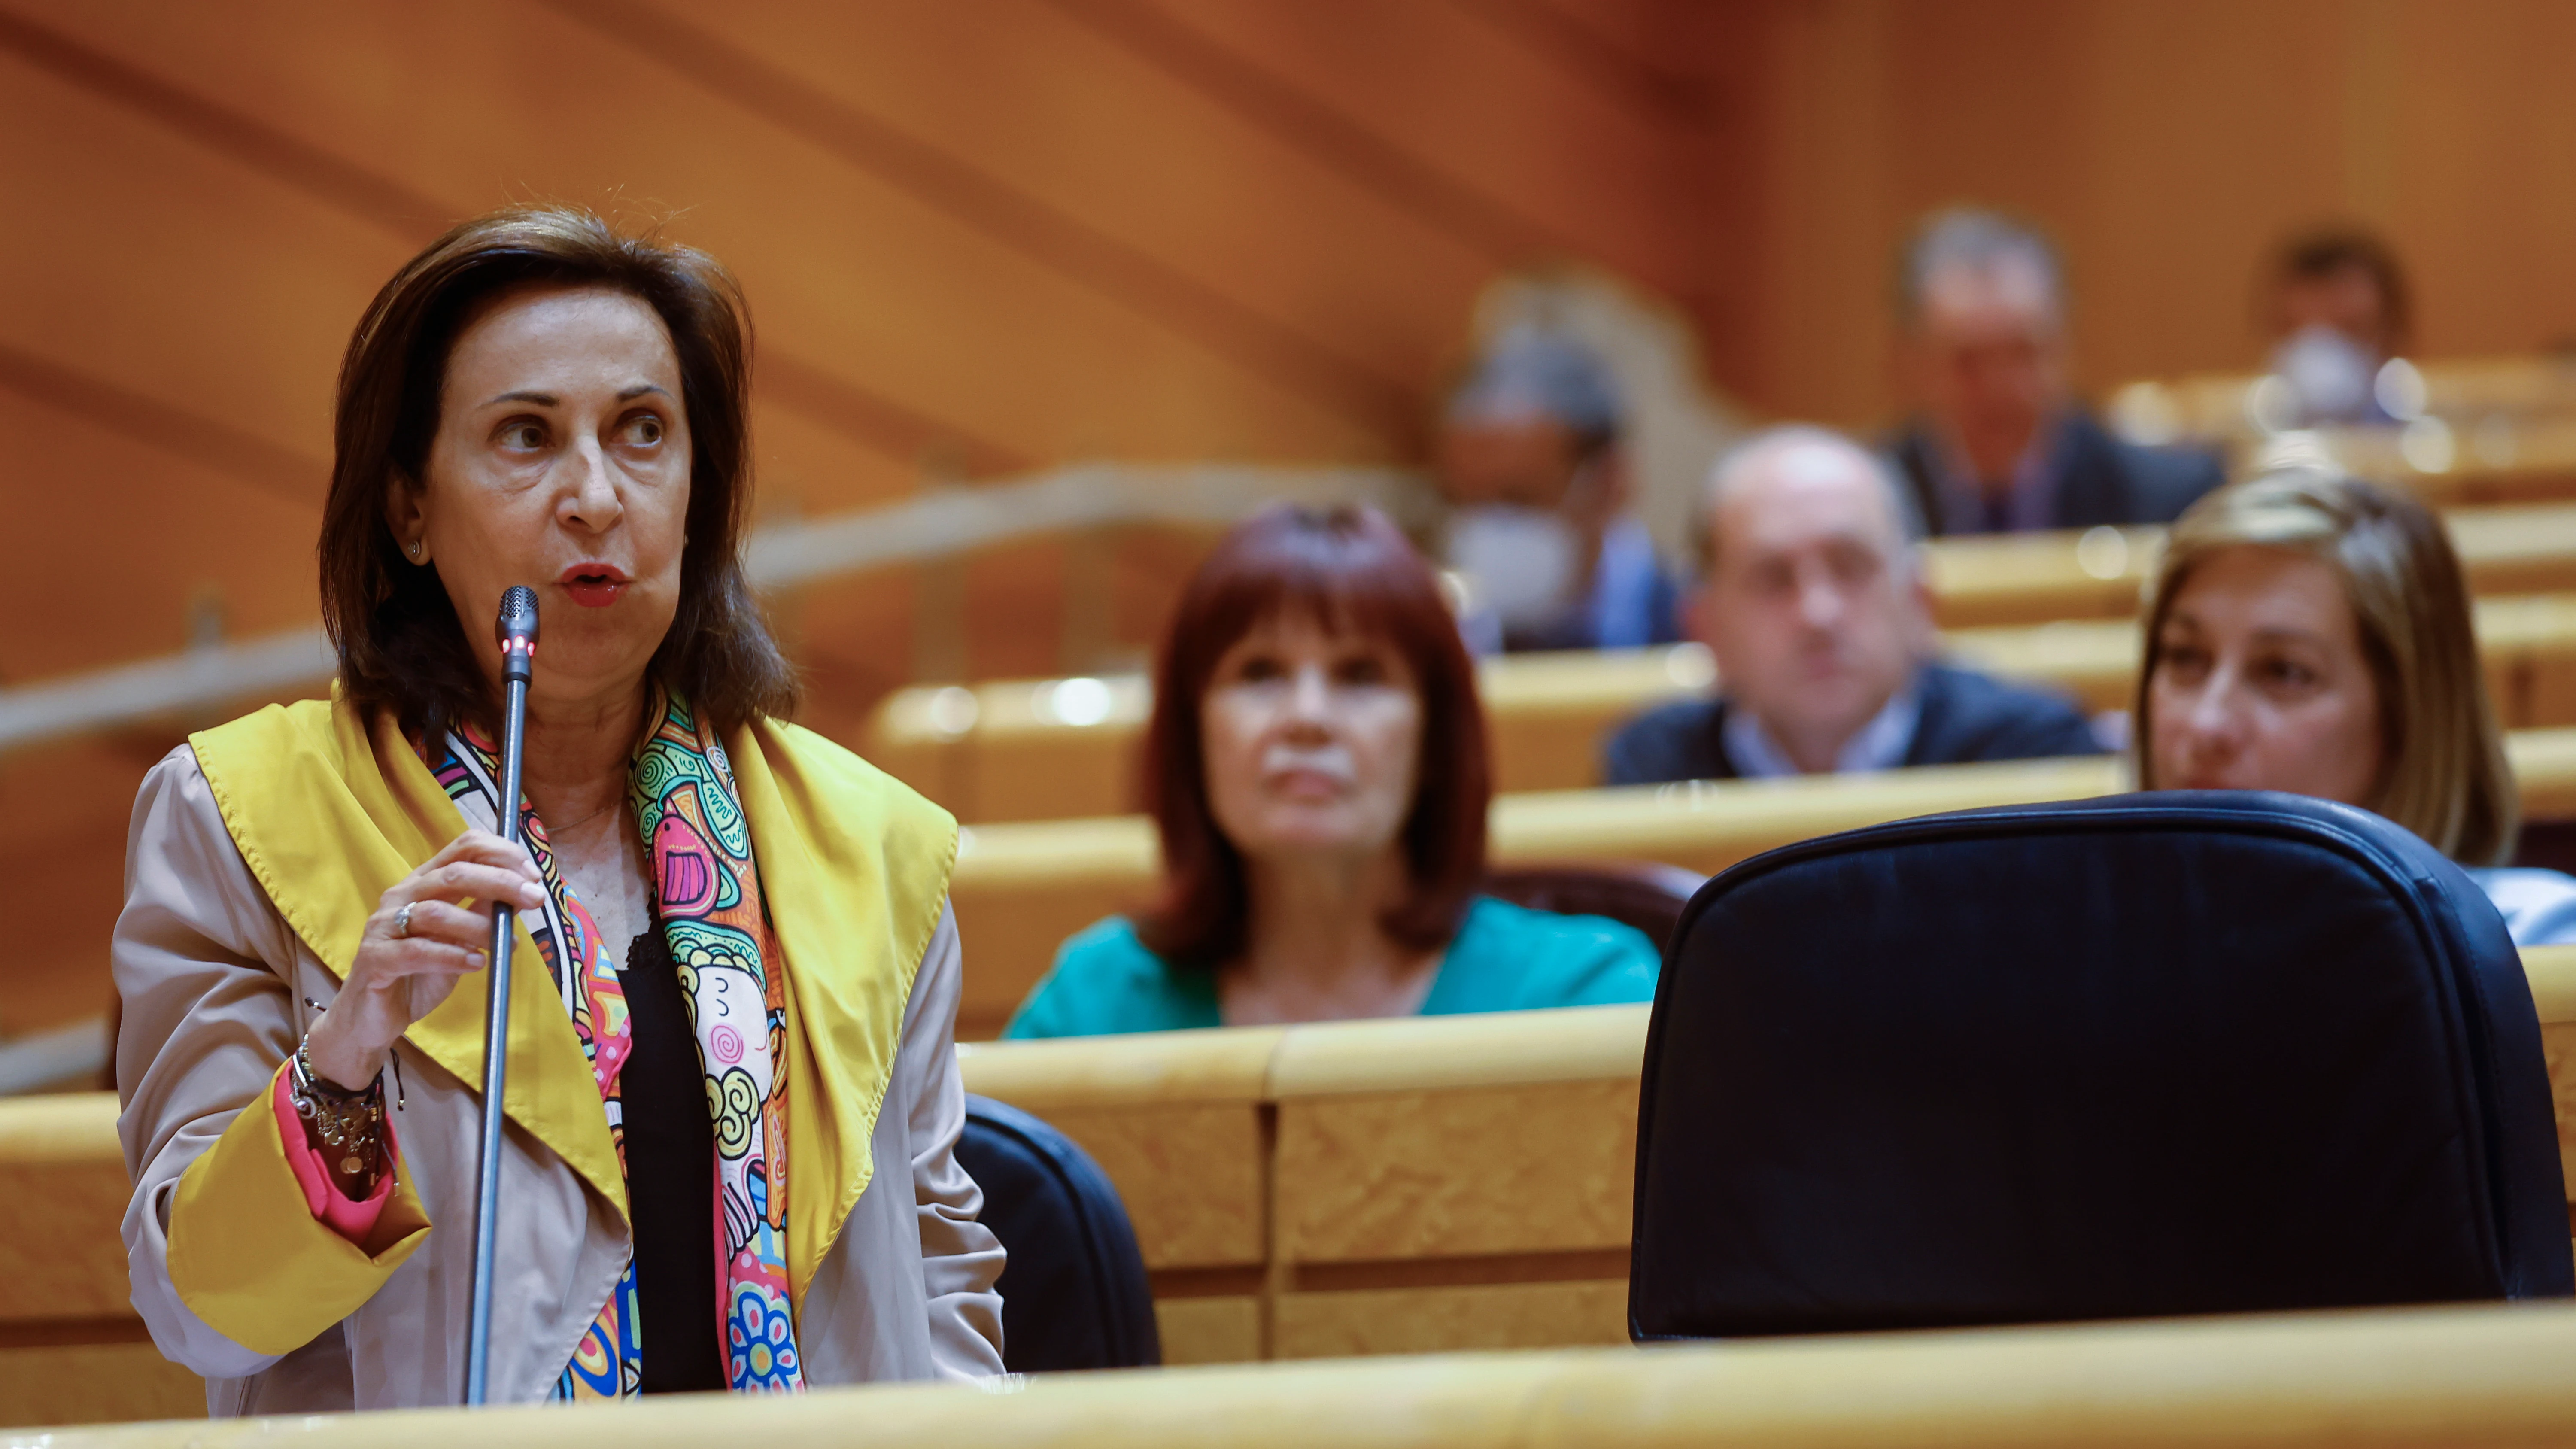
(260, 850)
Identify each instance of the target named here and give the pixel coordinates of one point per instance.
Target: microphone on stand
(517, 632)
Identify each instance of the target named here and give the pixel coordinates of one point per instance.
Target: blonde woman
(2311, 633)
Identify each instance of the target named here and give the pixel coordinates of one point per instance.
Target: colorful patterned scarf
(707, 894)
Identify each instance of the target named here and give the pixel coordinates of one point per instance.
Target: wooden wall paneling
(2211, 130)
(803, 466)
(1537, 159)
(849, 271)
(62, 883)
(1200, 208)
(137, 259)
(1014, 598)
(116, 540)
(2480, 147)
(1825, 213)
(1154, 565)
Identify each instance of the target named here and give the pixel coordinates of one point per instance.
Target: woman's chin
(1286, 841)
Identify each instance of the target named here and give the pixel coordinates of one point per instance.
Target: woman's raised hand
(401, 975)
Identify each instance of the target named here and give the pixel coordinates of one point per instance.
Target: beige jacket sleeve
(907, 1291)
(202, 967)
(960, 1257)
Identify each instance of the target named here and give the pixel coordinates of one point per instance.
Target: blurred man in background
(1539, 531)
(2334, 303)
(1999, 443)
(1814, 604)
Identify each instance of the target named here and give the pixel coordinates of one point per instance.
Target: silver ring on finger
(402, 921)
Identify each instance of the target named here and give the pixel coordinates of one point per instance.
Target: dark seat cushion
(1638, 894)
(1074, 1291)
(2150, 1054)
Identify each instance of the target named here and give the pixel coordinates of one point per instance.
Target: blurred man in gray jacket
(1999, 444)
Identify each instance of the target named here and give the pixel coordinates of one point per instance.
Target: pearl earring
(415, 550)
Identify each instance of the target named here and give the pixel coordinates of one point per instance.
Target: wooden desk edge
(1171, 1067)
(1434, 1053)
(2411, 1376)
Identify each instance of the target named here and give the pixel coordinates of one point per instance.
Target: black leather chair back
(2144, 1055)
(1074, 1293)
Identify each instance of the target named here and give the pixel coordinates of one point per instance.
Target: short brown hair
(2320, 252)
(1352, 570)
(401, 646)
(2444, 775)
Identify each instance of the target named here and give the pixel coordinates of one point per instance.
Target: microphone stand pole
(518, 631)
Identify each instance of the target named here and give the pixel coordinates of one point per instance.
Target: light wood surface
(1020, 890)
(1182, 1111)
(1452, 1176)
(95, 1383)
(1335, 1188)
(2102, 573)
(2415, 1377)
(1547, 715)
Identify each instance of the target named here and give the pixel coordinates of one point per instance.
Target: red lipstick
(594, 585)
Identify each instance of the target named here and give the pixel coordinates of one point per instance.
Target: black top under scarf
(670, 1177)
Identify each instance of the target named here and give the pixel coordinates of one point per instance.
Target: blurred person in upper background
(1999, 443)
(1814, 604)
(2312, 633)
(1316, 766)
(2334, 303)
(1539, 529)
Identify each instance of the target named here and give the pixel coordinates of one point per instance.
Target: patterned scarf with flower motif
(707, 894)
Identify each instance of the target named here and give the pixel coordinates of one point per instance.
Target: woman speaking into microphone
(731, 1093)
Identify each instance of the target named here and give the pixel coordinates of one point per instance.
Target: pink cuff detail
(350, 1218)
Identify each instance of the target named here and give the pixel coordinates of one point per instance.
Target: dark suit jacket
(2103, 479)
(1966, 717)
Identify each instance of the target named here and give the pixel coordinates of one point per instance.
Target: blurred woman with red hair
(1316, 766)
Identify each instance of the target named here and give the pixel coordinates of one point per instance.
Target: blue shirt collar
(1878, 745)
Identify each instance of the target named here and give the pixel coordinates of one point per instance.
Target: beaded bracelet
(350, 1124)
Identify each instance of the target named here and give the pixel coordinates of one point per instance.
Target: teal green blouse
(1504, 958)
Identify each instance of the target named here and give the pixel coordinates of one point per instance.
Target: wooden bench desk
(71, 1347)
(1021, 889)
(2032, 578)
(1180, 1122)
(1330, 1189)
(2392, 1379)
(1547, 714)
(1434, 1183)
